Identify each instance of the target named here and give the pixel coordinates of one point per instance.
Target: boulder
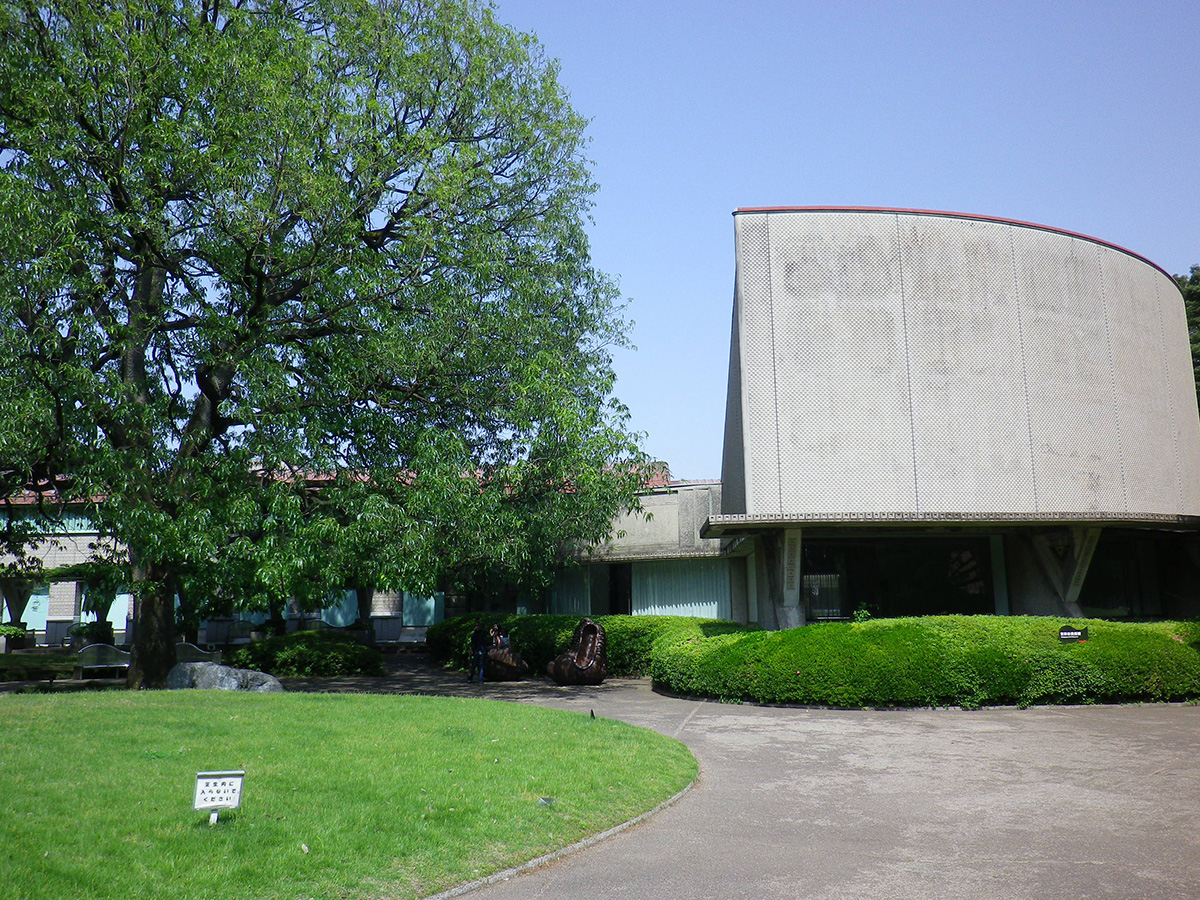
(207, 676)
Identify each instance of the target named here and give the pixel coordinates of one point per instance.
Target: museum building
(927, 412)
(931, 412)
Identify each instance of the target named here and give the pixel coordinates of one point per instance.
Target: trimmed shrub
(964, 661)
(938, 660)
(540, 638)
(309, 653)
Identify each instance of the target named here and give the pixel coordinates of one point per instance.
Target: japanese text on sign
(218, 790)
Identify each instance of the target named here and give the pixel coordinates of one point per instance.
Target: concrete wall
(669, 526)
(937, 366)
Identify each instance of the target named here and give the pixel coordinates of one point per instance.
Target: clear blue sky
(1083, 116)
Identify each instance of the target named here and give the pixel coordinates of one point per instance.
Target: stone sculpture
(586, 662)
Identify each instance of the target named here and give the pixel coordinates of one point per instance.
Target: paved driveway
(1075, 802)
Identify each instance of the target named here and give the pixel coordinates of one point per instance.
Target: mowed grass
(345, 796)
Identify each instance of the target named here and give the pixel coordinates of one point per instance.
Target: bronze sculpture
(504, 664)
(586, 662)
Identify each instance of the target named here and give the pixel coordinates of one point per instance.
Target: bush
(309, 653)
(12, 631)
(938, 660)
(535, 638)
(540, 638)
(964, 661)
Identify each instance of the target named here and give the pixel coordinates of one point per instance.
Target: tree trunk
(153, 652)
(365, 592)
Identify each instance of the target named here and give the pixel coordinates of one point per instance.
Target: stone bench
(185, 652)
(106, 656)
(100, 656)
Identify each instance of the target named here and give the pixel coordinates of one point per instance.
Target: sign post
(1069, 634)
(217, 791)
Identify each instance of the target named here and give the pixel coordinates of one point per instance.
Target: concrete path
(1063, 802)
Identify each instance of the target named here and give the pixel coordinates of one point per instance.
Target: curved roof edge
(957, 215)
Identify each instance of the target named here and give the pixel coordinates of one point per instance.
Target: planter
(91, 633)
(8, 643)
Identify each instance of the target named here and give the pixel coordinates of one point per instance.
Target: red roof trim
(954, 215)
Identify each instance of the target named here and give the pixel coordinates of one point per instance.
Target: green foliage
(99, 628)
(538, 639)
(938, 660)
(36, 666)
(253, 251)
(12, 631)
(1190, 286)
(309, 653)
(633, 641)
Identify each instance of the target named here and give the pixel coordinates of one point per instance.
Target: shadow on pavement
(413, 672)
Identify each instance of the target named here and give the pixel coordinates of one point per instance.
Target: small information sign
(1068, 634)
(218, 790)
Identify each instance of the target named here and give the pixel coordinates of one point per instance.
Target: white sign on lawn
(218, 790)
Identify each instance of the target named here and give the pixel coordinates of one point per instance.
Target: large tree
(294, 286)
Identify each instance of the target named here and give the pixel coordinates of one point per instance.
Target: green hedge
(36, 666)
(928, 661)
(538, 639)
(938, 660)
(309, 653)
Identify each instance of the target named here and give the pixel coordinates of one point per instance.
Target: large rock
(207, 676)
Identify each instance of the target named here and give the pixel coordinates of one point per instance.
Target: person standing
(480, 642)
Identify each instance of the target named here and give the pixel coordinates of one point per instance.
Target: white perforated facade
(914, 366)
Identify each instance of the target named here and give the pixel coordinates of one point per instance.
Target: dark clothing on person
(481, 641)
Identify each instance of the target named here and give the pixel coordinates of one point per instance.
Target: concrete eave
(733, 525)
(645, 556)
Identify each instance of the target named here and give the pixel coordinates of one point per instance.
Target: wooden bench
(100, 656)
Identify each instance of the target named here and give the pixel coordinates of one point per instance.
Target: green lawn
(346, 796)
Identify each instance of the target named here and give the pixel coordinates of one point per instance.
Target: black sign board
(1069, 634)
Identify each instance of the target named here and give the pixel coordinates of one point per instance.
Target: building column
(1064, 556)
(999, 575)
(785, 580)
